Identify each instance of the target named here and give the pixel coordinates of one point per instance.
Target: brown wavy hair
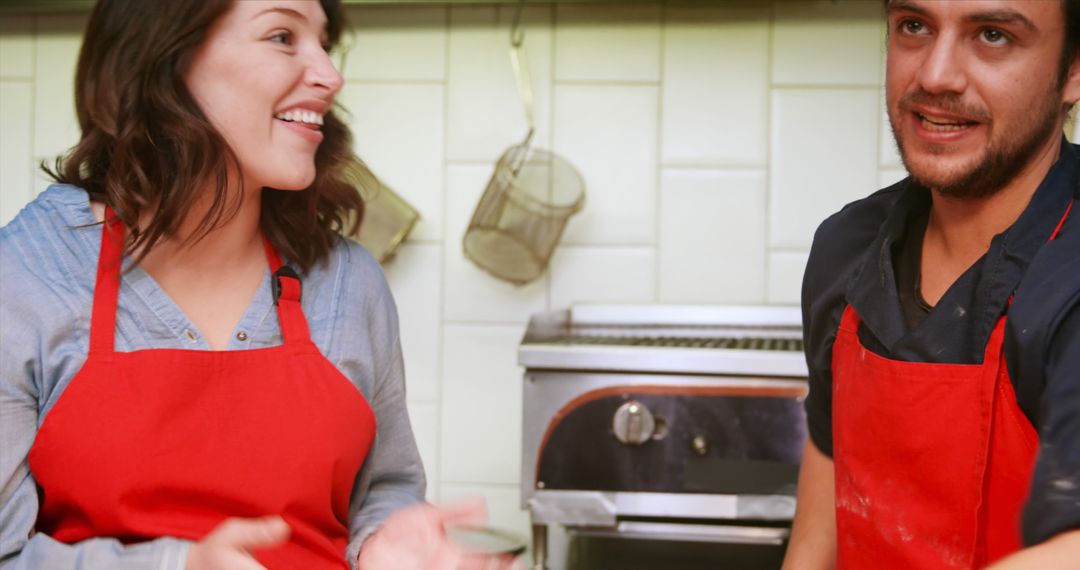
(148, 149)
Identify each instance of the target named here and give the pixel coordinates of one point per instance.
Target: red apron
(168, 442)
(933, 461)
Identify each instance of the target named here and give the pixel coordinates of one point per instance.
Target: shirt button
(191, 335)
(241, 335)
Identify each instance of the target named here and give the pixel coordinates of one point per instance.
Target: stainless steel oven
(672, 423)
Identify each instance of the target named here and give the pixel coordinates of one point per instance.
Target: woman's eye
(284, 38)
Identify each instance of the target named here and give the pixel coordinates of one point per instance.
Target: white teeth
(941, 125)
(309, 117)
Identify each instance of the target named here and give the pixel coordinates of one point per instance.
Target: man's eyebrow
(905, 6)
(1001, 16)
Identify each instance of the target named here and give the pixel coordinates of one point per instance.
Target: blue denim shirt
(48, 262)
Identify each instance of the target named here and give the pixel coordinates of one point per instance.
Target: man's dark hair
(1072, 38)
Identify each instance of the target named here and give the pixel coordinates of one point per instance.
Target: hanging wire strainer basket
(529, 199)
(522, 214)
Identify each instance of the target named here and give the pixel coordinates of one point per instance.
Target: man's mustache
(945, 102)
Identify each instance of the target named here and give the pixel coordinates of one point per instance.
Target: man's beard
(1004, 157)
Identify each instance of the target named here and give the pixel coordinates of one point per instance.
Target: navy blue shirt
(852, 262)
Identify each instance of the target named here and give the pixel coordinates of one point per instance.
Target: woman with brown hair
(196, 370)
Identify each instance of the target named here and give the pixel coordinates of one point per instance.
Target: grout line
(393, 81)
(441, 329)
(34, 184)
(822, 86)
(716, 167)
(658, 202)
(610, 247)
(608, 82)
(553, 16)
(767, 199)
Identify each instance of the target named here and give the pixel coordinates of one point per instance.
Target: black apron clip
(275, 281)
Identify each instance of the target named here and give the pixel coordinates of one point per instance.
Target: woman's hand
(229, 546)
(414, 538)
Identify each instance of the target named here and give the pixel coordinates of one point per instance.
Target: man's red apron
(933, 461)
(168, 442)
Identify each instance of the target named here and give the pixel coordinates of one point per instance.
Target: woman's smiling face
(264, 80)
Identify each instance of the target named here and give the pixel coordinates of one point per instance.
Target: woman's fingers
(229, 545)
(250, 534)
(476, 561)
(466, 512)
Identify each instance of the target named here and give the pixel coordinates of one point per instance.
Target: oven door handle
(688, 532)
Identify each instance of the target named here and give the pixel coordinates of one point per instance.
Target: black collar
(980, 295)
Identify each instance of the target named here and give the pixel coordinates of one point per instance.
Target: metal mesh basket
(387, 217)
(522, 213)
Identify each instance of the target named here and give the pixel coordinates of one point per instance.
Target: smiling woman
(196, 370)
(169, 98)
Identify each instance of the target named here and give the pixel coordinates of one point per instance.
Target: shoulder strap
(107, 285)
(286, 287)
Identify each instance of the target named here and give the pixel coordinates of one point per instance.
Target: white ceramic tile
(824, 155)
(56, 128)
(481, 404)
(471, 294)
(485, 111)
(890, 176)
(396, 43)
(589, 274)
(712, 236)
(16, 166)
(398, 132)
(503, 506)
(828, 42)
(16, 47)
(785, 276)
(715, 89)
(607, 43)
(609, 133)
(415, 276)
(424, 417)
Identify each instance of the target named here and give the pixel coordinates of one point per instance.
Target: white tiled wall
(713, 137)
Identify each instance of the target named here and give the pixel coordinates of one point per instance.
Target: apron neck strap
(284, 281)
(107, 284)
(286, 288)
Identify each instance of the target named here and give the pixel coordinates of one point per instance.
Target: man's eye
(994, 36)
(912, 27)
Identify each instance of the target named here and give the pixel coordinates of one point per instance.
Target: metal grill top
(734, 343)
(764, 341)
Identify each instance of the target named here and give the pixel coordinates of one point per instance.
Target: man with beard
(942, 314)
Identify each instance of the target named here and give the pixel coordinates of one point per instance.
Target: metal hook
(517, 35)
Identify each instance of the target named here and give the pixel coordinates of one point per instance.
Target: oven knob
(633, 423)
(700, 445)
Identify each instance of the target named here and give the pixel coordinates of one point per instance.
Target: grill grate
(733, 343)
